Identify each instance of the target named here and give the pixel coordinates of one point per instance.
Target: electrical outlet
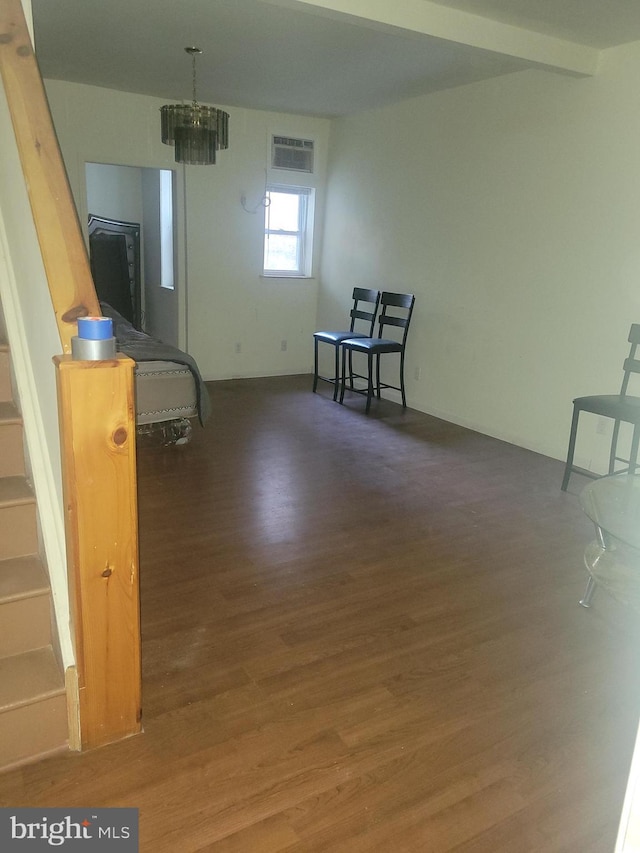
(238, 347)
(283, 346)
(416, 373)
(601, 426)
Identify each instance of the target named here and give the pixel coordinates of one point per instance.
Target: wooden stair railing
(54, 213)
(97, 425)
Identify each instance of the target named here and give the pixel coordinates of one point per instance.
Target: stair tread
(28, 677)
(22, 577)
(15, 490)
(9, 413)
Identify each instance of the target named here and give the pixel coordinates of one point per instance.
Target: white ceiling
(319, 57)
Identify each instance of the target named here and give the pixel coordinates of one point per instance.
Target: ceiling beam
(423, 17)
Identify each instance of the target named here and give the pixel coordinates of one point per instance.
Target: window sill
(287, 277)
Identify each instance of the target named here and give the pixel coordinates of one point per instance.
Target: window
(288, 226)
(166, 229)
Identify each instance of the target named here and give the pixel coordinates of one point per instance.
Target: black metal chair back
(621, 408)
(363, 312)
(396, 311)
(389, 301)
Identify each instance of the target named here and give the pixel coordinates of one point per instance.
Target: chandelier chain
(193, 60)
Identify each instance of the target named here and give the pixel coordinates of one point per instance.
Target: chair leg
(568, 468)
(614, 446)
(633, 457)
(378, 376)
(343, 375)
(404, 396)
(315, 364)
(336, 372)
(370, 381)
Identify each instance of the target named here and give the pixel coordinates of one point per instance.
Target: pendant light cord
(193, 60)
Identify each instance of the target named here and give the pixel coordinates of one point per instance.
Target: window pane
(281, 252)
(287, 239)
(166, 229)
(283, 212)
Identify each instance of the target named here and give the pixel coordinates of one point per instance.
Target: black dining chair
(363, 312)
(396, 311)
(621, 408)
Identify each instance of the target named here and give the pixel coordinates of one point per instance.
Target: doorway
(120, 201)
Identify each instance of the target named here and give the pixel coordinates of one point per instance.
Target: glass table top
(613, 503)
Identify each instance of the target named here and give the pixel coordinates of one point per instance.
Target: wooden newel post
(97, 425)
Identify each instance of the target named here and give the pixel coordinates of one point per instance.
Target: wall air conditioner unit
(295, 155)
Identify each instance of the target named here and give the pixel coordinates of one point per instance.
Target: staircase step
(25, 606)
(9, 413)
(33, 708)
(18, 527)
(6, 392)
(11, 443)
(21, 578)
(15, 491)
(28, 678)
(33, 702)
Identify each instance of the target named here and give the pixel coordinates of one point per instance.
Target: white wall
(512, 209)
(226, 302)
(114, 192)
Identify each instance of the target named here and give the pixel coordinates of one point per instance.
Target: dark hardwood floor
(362, 634)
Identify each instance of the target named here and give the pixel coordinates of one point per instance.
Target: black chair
(397, 309)
(621, 408)
(367, 315)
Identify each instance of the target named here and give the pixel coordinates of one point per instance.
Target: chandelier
(197, 132)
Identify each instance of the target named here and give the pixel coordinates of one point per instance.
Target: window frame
(303, 233)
